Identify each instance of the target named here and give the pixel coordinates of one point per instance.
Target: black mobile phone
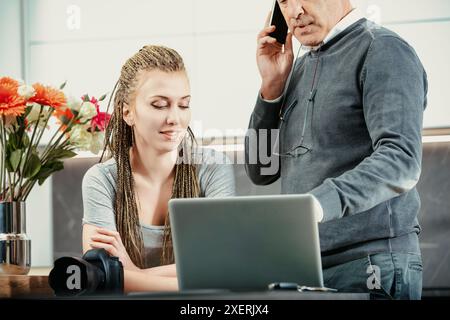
(277, 20)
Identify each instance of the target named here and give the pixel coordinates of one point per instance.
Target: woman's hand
(112, 243)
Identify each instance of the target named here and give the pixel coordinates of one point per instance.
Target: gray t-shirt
(216, 179)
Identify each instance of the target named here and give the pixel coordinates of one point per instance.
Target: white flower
(87, 111)
(85, 140)
(34, 113)
(97, 142)
(26, 91)
(74, 103)
(80, 137)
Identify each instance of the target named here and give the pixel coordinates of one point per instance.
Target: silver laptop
(246, 243)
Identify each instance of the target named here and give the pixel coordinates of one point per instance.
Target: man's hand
(274, 63)
(112, 243)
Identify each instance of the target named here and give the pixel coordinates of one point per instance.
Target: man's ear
(128, 114)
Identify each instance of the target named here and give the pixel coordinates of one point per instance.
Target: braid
(118, 141)
(185, 185)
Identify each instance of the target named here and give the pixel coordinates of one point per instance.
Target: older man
(349, 117)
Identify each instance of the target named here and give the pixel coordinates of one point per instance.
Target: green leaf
(102, 97)
(14, 159)
(61, 154)
(48, 169)
(8, 165)
(13, 141)
(25, 140)
(42, 180)
(63, 85)
(21, 125)
(86, 98)
(32, 166)
(27, 111)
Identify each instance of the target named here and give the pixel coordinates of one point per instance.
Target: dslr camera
(96, 273)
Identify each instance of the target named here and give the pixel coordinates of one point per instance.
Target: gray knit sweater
(361, 152)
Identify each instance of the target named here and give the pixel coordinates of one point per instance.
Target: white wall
(40, 224)
(10, 39)
(217, 42)
(426, 26)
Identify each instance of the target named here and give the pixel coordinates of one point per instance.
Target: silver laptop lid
(246, 243)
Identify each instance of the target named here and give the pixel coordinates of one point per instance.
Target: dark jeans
(383, 275)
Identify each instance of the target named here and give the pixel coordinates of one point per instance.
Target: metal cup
(15, 246)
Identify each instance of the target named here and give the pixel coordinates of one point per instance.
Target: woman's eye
(184, 106)
(159, 105)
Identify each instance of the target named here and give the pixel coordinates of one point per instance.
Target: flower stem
(11, 186)
(10, 181)
(2, 168)
(26, 189)
(45, 125)
(5, 169)
(50, 146)
(30, 183)
(28, 150)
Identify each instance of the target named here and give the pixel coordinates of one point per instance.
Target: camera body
(96, 273)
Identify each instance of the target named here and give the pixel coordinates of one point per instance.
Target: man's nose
(295, 8)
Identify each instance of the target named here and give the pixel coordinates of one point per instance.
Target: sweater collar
(352, 17)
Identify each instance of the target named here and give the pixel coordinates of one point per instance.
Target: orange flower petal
(48, 96)
(11, 103)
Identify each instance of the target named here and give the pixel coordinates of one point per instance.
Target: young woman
(152, 158)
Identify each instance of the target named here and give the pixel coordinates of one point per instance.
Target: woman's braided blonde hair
(118, 140)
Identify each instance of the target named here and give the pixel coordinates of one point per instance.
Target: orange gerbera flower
(11, 103)
(64, 116)
(48, 96)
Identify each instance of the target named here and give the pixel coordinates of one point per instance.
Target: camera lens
(95, 273)
(74, 276)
